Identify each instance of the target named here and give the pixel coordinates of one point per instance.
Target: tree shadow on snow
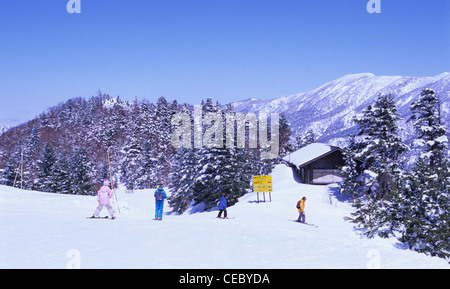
(333, 192)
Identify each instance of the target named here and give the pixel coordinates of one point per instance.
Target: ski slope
(40, 230)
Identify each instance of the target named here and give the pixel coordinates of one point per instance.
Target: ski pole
(112, 183)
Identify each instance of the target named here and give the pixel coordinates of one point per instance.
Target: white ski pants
(100, 208)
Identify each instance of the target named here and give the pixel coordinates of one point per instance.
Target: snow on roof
(308, 153)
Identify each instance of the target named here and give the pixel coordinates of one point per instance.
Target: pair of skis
(312, 225)
(101, 218)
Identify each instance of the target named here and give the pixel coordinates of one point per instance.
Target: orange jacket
(302, 206)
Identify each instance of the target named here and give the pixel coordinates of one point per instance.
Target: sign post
(262, 184)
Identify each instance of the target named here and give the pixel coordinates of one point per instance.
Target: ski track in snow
(41, 230)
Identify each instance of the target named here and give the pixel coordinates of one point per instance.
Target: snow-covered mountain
(329, 109)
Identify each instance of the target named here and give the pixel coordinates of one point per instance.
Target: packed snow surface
(40, 230)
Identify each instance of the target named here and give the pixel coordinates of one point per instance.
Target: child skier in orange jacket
(301, 210)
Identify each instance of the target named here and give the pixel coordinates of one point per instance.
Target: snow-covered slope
(40, 230)
(329, 109)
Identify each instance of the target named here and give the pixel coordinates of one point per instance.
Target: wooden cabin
(316, 164)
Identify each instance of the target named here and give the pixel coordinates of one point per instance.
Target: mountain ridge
(328, 110)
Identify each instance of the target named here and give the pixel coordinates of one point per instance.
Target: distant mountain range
(329, 109)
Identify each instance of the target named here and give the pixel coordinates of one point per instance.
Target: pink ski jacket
(104, 195)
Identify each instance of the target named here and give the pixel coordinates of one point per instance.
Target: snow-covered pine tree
(111, 125)
(211, 161)
(8, 174)
(284, 136)
(30, 157)
(104, 172)
(60, 180)
(164, 148)
(431, 133)
(46, 167)
(219, 169)
(12, 171)
(131, 160)
(149, 175)
(426, 195)
(416, 214)
(185, 169)
(379, 147)
(302, 140)
(80, 172)
(182, 178)
(219, 175)
(367, 214)
(22, 165)
(350, 172)
(440, 237)
(381, 144)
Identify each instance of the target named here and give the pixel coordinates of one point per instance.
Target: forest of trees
(398, 189)
(65, 150)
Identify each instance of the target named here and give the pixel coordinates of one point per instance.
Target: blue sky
(189, 50)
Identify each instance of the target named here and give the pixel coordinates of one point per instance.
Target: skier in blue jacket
(160, 195)
(223, 207)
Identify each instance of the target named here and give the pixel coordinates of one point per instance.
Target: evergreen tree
(182, 179)
(379, 148)
(203, 175)
(367, 214)
(60, 180)
(285, 136)
(425, 198)
(381, 143)
(104, 172)
(46, 167)
(218, 176)
(149, 176)
(350, 172)
(111, 126)
(30, 157)
(12, 171)
(302, 140)
(426, 219)
(430, 131)
(80, 173)
(131, 160)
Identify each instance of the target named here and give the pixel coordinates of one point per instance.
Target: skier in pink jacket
(103, 197)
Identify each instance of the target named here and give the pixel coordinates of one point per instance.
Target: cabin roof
(310, 153)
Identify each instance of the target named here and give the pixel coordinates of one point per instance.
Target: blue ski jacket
(223, 203)
(164, 196)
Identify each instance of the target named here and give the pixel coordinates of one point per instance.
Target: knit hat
(105, 182)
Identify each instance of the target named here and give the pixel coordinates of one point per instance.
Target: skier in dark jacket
(223, 207)
(160, 195)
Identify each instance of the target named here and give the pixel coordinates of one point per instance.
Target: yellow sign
(262, 183)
